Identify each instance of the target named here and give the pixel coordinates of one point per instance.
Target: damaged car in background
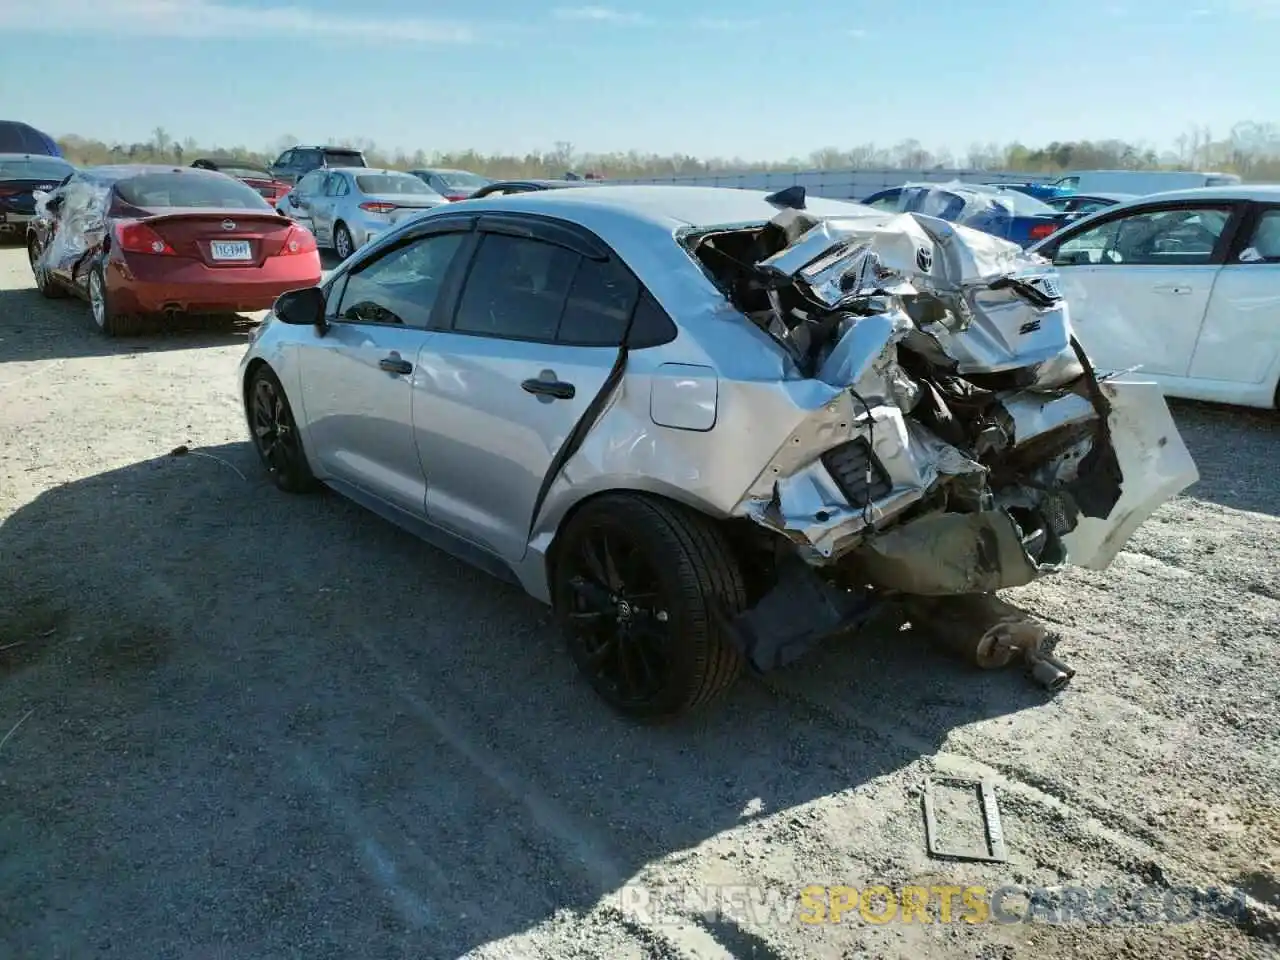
(712, 427)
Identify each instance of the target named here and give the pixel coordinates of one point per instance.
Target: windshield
(344, 158)
(381, 183)
(37, 168)
(462, 180)
(187, 190)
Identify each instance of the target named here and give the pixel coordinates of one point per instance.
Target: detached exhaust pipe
(988, 633)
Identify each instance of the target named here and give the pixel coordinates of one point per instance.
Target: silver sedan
(710, 426)
(347, 207)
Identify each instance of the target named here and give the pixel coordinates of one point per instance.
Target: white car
(1184, 285)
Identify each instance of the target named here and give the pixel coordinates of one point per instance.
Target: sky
(751, 78)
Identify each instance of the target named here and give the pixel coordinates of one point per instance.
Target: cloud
(201, 19)
(597, 15)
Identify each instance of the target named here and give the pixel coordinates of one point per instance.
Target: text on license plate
(231, 250)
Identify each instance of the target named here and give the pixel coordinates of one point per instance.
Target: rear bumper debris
(966, 444)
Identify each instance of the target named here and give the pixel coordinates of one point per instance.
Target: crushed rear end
(968, 445)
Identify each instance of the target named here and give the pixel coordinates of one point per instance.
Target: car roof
(664, 206)
(320, 146)
(230, 162)
(444, 170)
(365, 171)
(34, 156)
(1263, 192)
(123, 171)
(1098, 195)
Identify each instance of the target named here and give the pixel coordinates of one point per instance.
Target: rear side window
(344, 158)
(599, 304)
(523, 289)
(516, 289)
(189, 190)
(1265, 242)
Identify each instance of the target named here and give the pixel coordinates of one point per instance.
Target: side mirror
(302, 308)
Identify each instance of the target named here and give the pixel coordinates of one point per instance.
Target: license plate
(231, 250)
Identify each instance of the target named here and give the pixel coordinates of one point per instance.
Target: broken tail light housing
(375, 207)
(297, 241)
(140, 238)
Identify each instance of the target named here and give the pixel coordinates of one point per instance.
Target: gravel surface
(249, 725)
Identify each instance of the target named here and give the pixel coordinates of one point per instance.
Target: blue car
(1008, 214)
(1047, 192)
(19, 137)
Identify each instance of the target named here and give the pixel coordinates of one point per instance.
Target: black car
(504, 187)
(21, 174)
(294, 164)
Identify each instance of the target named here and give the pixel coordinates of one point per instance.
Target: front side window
(1178, 236)
(516, 289)
(401, 287)
(310, 184)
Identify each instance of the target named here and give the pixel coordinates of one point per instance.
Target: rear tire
(343, 245)
(47, 286)
(639, 585)
(275, 432)
(111, 322)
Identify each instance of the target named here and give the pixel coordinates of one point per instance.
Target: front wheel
(639, 586)
(45, 283)
(275, 433)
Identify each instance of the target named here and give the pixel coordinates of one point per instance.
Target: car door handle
(395, 364)
(557, 389)
(1174, 288)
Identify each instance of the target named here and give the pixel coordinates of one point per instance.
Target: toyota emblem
(228, 224)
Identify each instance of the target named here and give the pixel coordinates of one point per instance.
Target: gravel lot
(258, 726)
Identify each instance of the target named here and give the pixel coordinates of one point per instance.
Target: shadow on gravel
(1236, 451)
(35, 328)
(277, 726)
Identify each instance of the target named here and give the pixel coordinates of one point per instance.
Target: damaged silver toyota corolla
(712, 427)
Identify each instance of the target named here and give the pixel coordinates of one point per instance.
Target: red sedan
(141, 241)
(254, 174)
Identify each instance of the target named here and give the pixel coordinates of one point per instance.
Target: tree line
(1249, 149)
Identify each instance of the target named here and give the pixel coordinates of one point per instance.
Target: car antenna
(792, 197)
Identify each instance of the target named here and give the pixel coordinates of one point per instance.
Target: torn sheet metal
(972, 447)
(79, 226)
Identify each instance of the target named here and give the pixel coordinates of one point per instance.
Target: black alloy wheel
(275, 433)
(636, 589)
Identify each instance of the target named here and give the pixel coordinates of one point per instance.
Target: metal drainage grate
(857, 472)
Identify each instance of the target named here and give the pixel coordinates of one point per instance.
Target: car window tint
(1173, 237)
(651, 326)
(599, 304)
(151, 190)
(1265, 242)
(516, 288)
(401, 287)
